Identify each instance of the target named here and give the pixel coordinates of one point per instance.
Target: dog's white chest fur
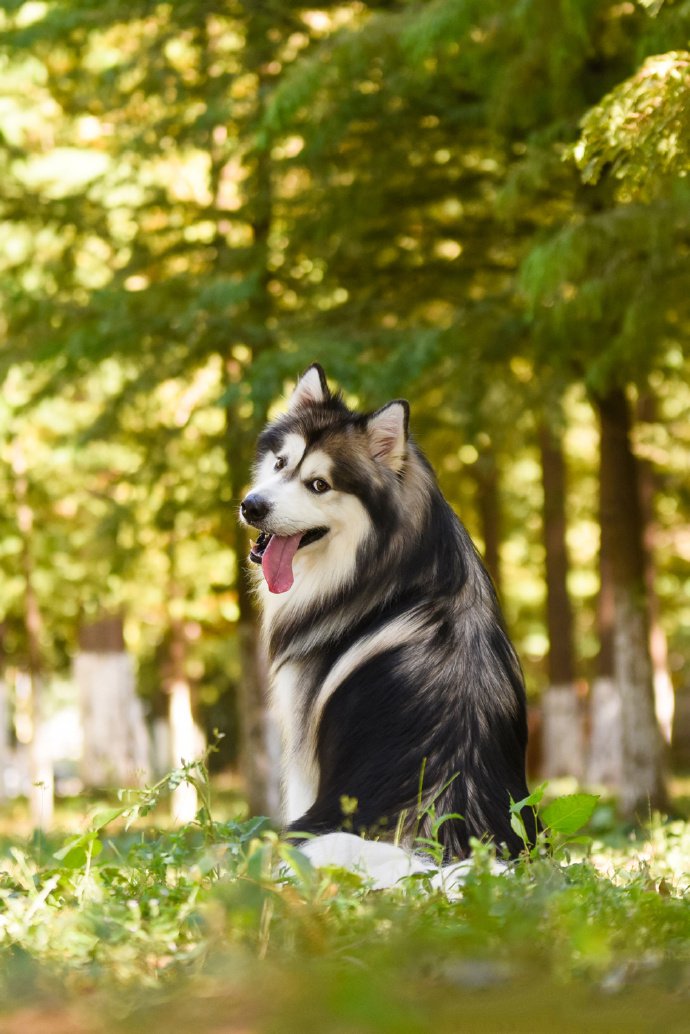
(299, 768)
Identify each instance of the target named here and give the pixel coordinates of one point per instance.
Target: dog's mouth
(275, 554)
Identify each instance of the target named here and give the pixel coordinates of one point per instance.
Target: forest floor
(126, 926)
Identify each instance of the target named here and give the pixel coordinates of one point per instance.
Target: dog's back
(399, 694)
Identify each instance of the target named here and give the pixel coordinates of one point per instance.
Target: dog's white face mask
(305, 512)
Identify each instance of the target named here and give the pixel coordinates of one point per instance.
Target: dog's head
(325, 478)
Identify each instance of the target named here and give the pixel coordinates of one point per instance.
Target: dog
(399, 695)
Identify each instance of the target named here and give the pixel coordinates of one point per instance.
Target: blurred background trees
(480, 206)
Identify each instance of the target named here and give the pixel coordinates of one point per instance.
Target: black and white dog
(395, 684)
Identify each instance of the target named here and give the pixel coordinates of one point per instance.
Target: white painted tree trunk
(664, 695)
(605, 755)
(42, 790)
(184, 742)
(116, 744)
(38, 760)
(643, 784)
(563, 740)
(642, 743)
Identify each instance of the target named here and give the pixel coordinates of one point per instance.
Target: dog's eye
(319, 486)
(279, 463)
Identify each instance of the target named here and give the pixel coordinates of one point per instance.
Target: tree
(605, 754)
(563, 731)
(664, 698)
(643, 769)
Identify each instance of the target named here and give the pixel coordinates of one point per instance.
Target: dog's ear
(310, 389)
(387, 434)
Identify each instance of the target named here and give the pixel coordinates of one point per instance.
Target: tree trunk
(258, 762)
(643, 779)
(664, 698)
(185, 743)
(116, 744)
(605, 755)
(42, 791)
(186, 739)
(562, 720)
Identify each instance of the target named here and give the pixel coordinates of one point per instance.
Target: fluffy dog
(399, 694)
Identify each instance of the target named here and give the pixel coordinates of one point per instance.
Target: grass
(219, 928)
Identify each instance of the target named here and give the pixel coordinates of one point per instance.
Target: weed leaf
(567, 814)
(299, 863)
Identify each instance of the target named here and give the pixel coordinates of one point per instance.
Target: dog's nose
(254, 508)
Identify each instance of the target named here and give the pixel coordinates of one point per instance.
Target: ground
(218, 928)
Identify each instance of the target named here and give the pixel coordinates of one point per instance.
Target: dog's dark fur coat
(442, 701)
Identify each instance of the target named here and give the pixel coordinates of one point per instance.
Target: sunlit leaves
(640, 132)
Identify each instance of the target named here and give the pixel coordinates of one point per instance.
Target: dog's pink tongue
(276, 562)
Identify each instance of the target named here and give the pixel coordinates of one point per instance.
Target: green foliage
(640, 132)
(609, 286)
(556, 823)
(566, 815)
(225, 915)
